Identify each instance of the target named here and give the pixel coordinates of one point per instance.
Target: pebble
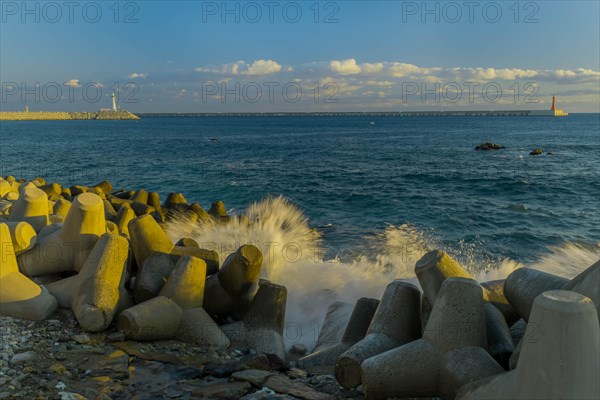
(81, 339)
(24, 357)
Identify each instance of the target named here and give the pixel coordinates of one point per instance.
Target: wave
(294, 256)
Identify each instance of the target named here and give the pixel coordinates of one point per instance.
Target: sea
(341, 205)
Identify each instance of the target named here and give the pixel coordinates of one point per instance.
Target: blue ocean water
(352, 176)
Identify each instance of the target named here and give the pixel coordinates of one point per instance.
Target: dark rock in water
(536, 152)
(549, 153)
(489, 146)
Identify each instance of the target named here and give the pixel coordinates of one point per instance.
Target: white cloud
(136, 75)
(346, 67)
(256, 68)
(72, 82)
(263, 67)
(372, 68)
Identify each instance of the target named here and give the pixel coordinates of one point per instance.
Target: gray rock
(255, 376)
(23, 358)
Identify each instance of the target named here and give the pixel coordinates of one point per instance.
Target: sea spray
(567, 260)
(294, 256)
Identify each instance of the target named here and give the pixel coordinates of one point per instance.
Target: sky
(298, 56)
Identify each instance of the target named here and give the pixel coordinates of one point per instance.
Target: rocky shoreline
(98, 302)
(62, 116)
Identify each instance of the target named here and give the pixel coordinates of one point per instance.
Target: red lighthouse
(553, 108)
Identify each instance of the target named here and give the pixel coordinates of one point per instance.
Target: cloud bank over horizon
(265, 85)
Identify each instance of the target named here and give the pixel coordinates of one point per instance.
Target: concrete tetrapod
(500, 343)
(495, 295)
(98, 291)
(523, 285)
(332, 329)
(155, 319)
(185, 284)
(210, 257)
(432, 366)
(563, 362)
(67, 248)
(262, 326)
(151, 276)
(19, 296)
(230, 291)
(147, 237)
(5, 187)
(61, 207)
(23, 236)
(124, 216)
(434, 268)
(357, 327)
(397, 321)
(197, 327)
(587, 283)
(31, 207)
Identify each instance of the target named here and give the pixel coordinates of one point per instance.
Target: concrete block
(431, 366)
(210, 257)
(525, 284)
(61, 207)
(32, 207)
(587, 283)
(198, 328)
(5, 188)
(185, 284)
(334, 324)
(20, 297)
(140, 196)
(105, 186)
(187, 242)
(494, 294)
(23, 236)
(67, 248)
(434, 268)
(262, 326)
(499, 339)
(230, 291)
(151, 276)
(148, 237)
(96, 292)
(155, 319)
(560, 358)
(397, 321)
(357, 327)
(202, 215)
(174, 199)
(109, 211)
(124, 216)
(51, 189)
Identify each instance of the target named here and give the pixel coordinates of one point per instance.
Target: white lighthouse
(114, 102)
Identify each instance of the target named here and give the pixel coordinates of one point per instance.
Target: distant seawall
(62, 116)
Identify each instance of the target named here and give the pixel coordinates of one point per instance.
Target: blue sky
(194, 56)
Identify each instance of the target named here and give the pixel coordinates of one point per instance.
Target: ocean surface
(353, 177)
(340, 206)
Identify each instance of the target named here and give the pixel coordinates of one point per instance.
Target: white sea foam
(294, 257)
